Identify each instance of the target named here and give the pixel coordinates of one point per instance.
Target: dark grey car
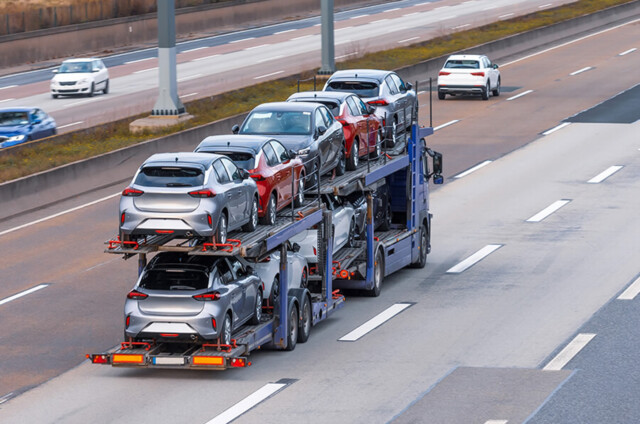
(395, 100)
(309, 129)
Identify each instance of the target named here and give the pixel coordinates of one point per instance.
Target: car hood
(294, 142)
(73, 76)
(12, 130)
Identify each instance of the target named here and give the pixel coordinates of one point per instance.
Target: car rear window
(277, 122)
(170, 176)
(241, 159)
(462, 64)
(174, 279)
(361, 88)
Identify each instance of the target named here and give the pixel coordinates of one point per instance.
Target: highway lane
(447, 250)
(228, 62)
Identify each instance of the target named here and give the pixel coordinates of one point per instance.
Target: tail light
(202, 193)
(239, 362)
(209, 220)
(122, 218)
(257, 177)
(127, 321)
(267, 259)
(379, 102)
(99, 359)
(477, 74)
(207, 296)
(444, 73)
(132, 192)
(136, 295)
(214, 324)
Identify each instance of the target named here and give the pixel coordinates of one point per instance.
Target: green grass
(83, 144)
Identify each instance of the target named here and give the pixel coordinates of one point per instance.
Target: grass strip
(70, 147)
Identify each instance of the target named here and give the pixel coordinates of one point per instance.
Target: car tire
(342, 162)
(257, 309)
(424, 247)
(275, 290)
(441, 95)
(391, 142)
(496, 91)
(385, 225)
(304, 279)
(377, 148)
(270, 214)
(378, 274)
(485, 92)
(352, 162)
(253, 219)
(306, 319)
(292, 333)
(299, 199)
(225, 331)
(220, 235)
(91, 90)
(105, 90)
(351, 236)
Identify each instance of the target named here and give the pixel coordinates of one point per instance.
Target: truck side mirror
(437, 163)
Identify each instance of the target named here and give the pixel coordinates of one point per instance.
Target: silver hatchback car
(190, 298)
(189, 195)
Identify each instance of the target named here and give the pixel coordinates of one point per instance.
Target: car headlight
(84, 81)
(17, 137)
(304, 152)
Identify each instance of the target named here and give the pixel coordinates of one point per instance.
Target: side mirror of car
(370, 109)
(295, 247)
(244, 174)
(235, 129)
(36, 122)
(495, 66)
(408, 85)
(54, 71)
(322, 129)
(292, 154)
(95, 70)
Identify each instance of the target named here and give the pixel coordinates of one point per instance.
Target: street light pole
(328, 48)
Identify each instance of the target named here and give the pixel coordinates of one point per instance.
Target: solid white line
(241, 40)
(544, 5)
(5, 398)
(554, 129)
(193, 50)
(6, 100)
(490, 7)
(347, 55)
(473, 259)
(548, 210)
(505, 16)
(257, 47)
(626, 52)
(379, 20)
(461, 26)
(391, 10)
(70, 125)
(8, 86)
(271, 58)
(374, 322)
(344, 41)
(19, 227)
(145, 70)
(579, 71)
(268, 75)
(496, 422)
(206, 57)
(359, 16)
(632, 291)
(342, 29)
(446, 125)
(408, 39)
(94, 99)
(475, 168)
(247, 403)
(410, 14)
(420, 92)
(188, 95)
(283, 32)
(524, 93)
(301, 37)
(23, 293)
(189, 77)
(605, 174)
(139, 60)
(571, 350)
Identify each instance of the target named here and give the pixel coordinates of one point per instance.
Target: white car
(269, 269)
(80, 76)
(469, 74)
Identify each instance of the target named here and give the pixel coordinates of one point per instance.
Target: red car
(278, 173)
(358, 122)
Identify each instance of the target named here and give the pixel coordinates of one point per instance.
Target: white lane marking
(605, 174)
(94, 99)
(247, 403)
(6, 100)
(301, 37)
(375, 322)
(342, 29)
(570, 350)
(579, 71)
(554, 129)
(490, 7)
(347, 55)
(344, 41)
(473, 259)
(391, 10)
(23, 293)
(548, 210)
(8, 86)
(6, 397)
(268, 75)
(475, 168)
(439, 127)
(410, 14)
(271, 58)
(626, 52)
(448, 17)
(524, 93)
(257, 47)
(283, 32)
(241, 40)
(420, 92)
(505, 16)
(70, 125)
(379, 21)
(545, 6)
(359, 16)
(441, 7)
(206, 57)
(496, 422)
(632, 291)
(145, 70)
(317, 25)
(189, 95)
(37, 221)
(193, 50)
(138, 60)
(461, 26)
(408, 39)
(189, 77)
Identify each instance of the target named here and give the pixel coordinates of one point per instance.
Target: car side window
(328, 117)
(355, 110)
(221, 172)
(232, 169)
(225, 272)
(391, 84)
(281, 152)
(319, 119)
(399, 82)
(237, 268)
(363, 108)
(270, 155)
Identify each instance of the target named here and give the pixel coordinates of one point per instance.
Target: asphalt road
(474, 345)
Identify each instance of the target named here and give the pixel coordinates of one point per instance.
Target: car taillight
(127, 321)
(257, 177)
(207, 296)
(267, 259)
(379, 102)
(202, 193)
(213, 323)
(132, 192)
(136, 295)
(477, 74)
(444, 73)
(122, 218)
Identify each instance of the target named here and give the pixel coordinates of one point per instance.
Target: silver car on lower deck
(188, 195)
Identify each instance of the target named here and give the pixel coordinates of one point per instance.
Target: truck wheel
(304, 325)
(257, 309)
(424, 246)
(378, 274)
(292, 334)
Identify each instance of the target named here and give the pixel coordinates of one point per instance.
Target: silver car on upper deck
(188, 195)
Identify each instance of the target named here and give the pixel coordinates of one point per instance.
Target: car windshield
(277, 122)
(8, 119)
(174, 279)
(361, 88)
(462, 64)
(241, 159)
(74, 67)
(169, 176)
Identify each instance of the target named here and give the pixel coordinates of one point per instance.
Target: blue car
(22, 124)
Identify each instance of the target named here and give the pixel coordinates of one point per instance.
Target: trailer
(363, 266)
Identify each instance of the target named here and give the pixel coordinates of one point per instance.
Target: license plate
(160, 360)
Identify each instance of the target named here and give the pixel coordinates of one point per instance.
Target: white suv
(80, 76)
(469, 74)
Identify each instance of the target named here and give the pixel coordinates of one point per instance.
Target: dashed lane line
(579, 71)
(524, 93)
(474, 259)
(632, 291)
(23, 293)
(548, 210)
(473, 169)
(569, 352)
(605, 174)
(375, 322)
(446, 124)
(554, 129)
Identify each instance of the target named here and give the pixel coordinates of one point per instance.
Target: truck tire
(304, 324)
(378, 274)
(424, 247)
(292, 333)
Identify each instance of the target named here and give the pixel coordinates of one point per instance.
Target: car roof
(84, 59)
(235, 142)
(287, 106)
(360, 74)
(465, 57)
(18, 109)
(330, 95)
(182, 159)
